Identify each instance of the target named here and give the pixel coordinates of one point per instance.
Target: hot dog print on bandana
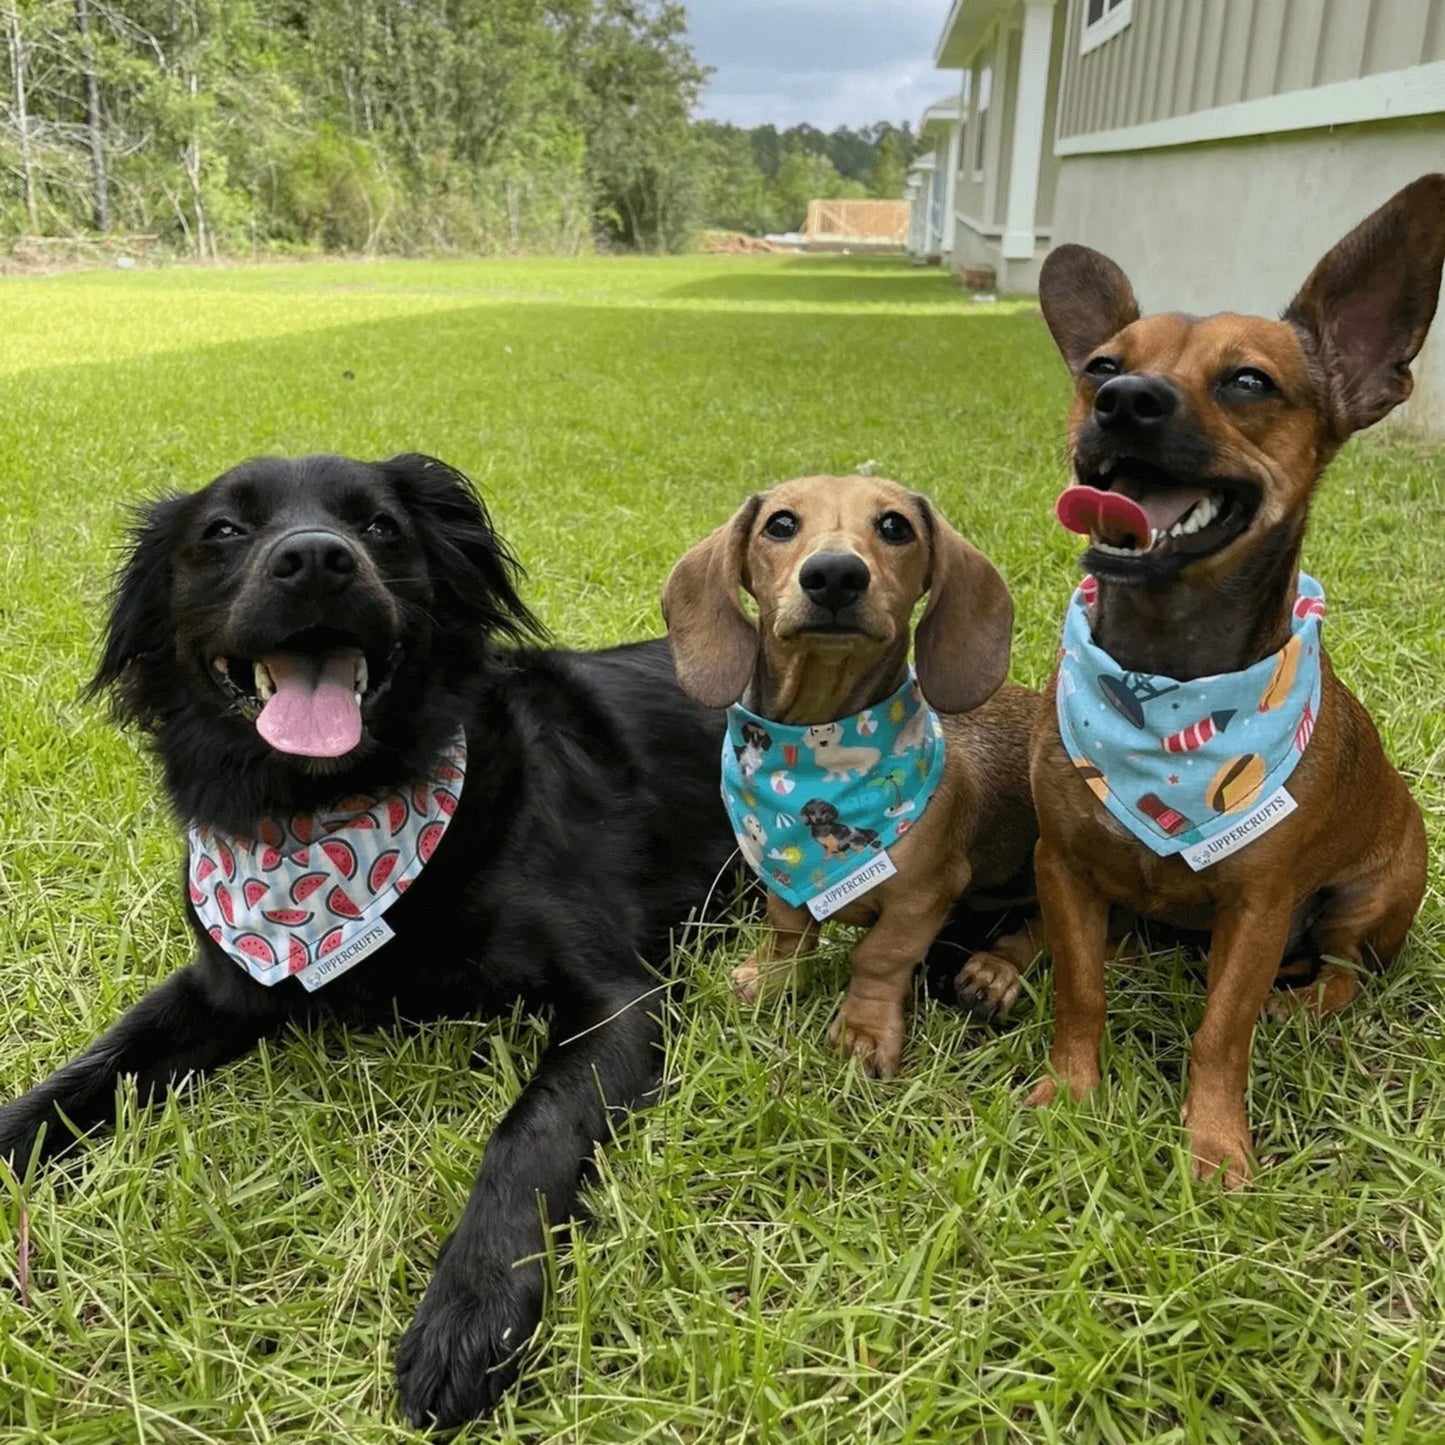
(306, 897)
(815, 809)
(1195, 768)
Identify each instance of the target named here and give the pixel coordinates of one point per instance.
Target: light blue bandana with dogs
(815, 809)
(1194, 768)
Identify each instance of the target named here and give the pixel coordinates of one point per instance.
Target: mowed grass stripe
(782, 1249)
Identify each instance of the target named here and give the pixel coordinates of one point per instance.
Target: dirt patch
(736, 243)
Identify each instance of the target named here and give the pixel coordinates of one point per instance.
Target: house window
(980, 119)
(1103, 19)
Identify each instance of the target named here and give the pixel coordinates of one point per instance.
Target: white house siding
(1178, 57)
(1215, 148)
(1237, 224)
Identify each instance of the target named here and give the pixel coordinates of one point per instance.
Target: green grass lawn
(782, 1250)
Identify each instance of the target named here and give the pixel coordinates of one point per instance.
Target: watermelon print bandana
(306, 897)
(1194, 768)
(815, 809)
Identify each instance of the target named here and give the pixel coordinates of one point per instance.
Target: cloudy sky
(829, 62)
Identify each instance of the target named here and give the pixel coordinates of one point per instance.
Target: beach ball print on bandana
(309, 886)
(1195, 768)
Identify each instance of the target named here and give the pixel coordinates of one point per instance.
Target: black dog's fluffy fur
(589, 828)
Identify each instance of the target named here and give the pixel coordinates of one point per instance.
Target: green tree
(889, 168)
(642, 83)
(734, 191)
(476, 126)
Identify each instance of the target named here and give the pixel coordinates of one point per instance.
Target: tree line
(478, 126)
(761, 180)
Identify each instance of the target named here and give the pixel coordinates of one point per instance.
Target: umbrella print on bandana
(1129, 691)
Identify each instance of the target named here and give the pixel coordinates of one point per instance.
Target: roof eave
(964, 29)
(939, 116)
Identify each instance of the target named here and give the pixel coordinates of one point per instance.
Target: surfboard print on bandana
(1194, 768)
(813, 806)
(307, 896)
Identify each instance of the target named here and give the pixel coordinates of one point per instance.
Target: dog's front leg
(1076, 922)
(484, 1302)
(1248, 941)
(791, 935)
(870, 1025)
(201, 1017)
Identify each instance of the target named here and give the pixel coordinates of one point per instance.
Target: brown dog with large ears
(836, 566)
(1196, 446)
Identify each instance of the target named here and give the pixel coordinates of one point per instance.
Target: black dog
(300, 632)
(835, 837)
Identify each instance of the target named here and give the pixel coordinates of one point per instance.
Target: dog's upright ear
(140, 637)
(1365, 309)
(1085, 299)
(472, 570)
(714, 642)
(961, 651)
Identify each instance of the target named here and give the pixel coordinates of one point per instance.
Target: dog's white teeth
(1106, 468)
(1114, 551)
(361, 678)
(221, 666)
(1199, 516)
(265, 684)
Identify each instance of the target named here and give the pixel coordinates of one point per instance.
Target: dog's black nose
(312, 562)
(1135, 403)
(834, 580)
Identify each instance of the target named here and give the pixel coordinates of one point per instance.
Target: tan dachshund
(836, 566)
(1235, 417)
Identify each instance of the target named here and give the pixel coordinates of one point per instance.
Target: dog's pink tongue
(313, 711)
(1121, 520)
(1091, 512)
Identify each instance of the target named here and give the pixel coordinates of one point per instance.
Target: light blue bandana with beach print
(815, 809)
(1194, 768)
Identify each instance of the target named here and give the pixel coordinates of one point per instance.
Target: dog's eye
(781, 526)
(381, 526)
(1250, 381)
(222, 530)
(1103, 367)
(894, 527)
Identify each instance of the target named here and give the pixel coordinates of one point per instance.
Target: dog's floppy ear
(961, 652)
(473, 572)
(1085, 299)
(139, 635)
(714, 643)
(1366, 307)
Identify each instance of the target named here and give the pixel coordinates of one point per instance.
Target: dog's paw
(18, 1136)
(1332, 988)
(466, 1343)
(1219, 1141)
(744, 980)
(871, 1033)
(1076, 1083)
(988, 986)
(752, 980)
(1222, 1155)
